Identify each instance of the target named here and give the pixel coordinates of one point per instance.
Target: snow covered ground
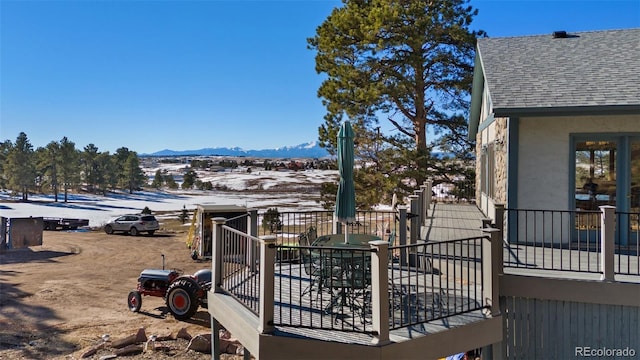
(286, 190)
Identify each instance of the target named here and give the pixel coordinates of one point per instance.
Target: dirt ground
(60, 298)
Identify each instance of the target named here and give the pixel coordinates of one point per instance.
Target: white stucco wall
(544, 153)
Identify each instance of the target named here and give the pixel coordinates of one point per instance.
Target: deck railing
(443, 279)
(287, 225)
(563, 240)
(602, 241)
(627, 243)
(317, 293)
(456, 191)
(240, 255)
(391, 288)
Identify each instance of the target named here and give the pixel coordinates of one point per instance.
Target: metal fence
(287, 226)
(240, 255)
(569, 240)
(443, 279)
(564, 240)
(627, 260)
(457, 191)
(324, 290)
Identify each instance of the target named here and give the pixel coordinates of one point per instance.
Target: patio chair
(312, 234)
(311, 264)
(349, 278)
(391, 239)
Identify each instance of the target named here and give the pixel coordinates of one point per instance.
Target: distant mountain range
(308, 150)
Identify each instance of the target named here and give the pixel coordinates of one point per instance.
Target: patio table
(353, 240)
(350, 275)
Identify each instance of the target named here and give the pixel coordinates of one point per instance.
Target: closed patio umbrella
(346, 198)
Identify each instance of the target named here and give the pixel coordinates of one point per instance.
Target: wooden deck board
(452, 221)
(301, 314)
(457, 221)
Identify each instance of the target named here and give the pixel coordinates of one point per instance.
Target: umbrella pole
(346, 233)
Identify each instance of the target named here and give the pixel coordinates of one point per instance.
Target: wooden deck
(452, 221)
(567, 263)
(428, 308)
(419, 306)
(457, 221)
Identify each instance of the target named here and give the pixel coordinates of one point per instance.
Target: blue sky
(184, 75)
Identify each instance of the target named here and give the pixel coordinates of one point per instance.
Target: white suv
(133, 224)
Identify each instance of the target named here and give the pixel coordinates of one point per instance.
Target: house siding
(544, 154)
(552, 329)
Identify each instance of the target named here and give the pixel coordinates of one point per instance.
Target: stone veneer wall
(501, 160)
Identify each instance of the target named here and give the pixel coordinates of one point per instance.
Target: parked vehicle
(134, 224)
(51, 223)
(183, 294)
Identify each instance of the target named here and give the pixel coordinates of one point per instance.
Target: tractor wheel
(182, 299)
(134, 301)
(133, 231)
(108, 229)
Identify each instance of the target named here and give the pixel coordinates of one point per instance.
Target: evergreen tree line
(59, 167)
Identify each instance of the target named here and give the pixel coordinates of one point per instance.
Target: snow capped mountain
(306, 150)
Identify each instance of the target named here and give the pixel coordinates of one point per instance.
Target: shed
(236, 217)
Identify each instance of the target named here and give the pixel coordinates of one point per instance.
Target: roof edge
(568, 111)
(477, 88)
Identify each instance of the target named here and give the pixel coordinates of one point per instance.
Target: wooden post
(491, 269)
(252, 247)
(380, 291)
(3, 233)
(428, 192)
(420, 212)
(415, 220)
(215, 339)
(402, 232)
(267, 281)
(216, 254)
(607, 242)
(498, 219)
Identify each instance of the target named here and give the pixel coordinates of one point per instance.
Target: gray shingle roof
(599, 68)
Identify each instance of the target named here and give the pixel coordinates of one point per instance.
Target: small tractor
(183, 294)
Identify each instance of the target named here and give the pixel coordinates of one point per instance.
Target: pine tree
(409, 63)
(157, 180)
(70, 165)
(20, 166)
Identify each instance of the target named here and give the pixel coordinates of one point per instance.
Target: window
(595, 174)
(487, 169)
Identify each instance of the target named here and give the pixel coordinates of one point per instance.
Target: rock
(164, 337)
(183, 334)
(240, 350)
(200, 344)
(136, 338)
(92, 350)
(162, 348)
(232, 348)
(130, 350)
(206, 335)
